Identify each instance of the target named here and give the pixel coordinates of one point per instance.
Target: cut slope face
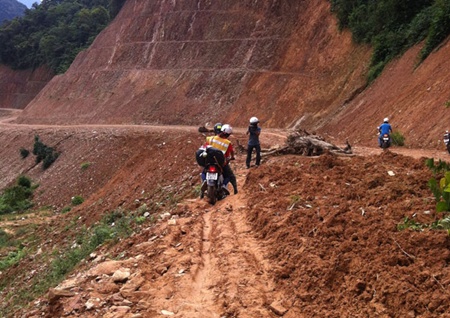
(192, 62)
(414, 97)
(18, 88)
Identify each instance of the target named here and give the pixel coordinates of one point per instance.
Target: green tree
(54, 32)
(392, 26)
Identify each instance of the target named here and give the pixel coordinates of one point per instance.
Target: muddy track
(211, 262)
(229, 276)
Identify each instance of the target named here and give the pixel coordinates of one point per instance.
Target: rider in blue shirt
(385, 128)
(253, 142)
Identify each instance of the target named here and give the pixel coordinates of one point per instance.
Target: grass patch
(85, 165)
(17, 197)
(443, 224)
(109, 230)
(12, 258)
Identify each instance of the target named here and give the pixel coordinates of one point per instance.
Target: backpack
(213, 156)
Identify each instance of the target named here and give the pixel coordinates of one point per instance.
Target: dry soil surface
(304, 237)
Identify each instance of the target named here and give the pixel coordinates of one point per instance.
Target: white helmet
(386, 120)
(254, 120)
(227, 129)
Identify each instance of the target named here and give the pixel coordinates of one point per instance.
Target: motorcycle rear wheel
(211, 194)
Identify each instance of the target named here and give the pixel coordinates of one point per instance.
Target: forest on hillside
(393, 26)
(54, 32)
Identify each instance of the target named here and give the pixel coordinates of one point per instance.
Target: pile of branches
(301, 142)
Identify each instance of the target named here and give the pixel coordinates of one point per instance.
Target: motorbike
(212, 160)
(385, 141)
(447, 142)
(214, 180)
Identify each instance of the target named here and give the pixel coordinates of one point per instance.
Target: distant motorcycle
(385, 141)
(447, 141)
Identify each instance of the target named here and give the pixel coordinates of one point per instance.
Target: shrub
(43, 153)
(441, 190)
(66, 209)
(24, 181)
(24, 153)
(85, 165)
(397, 138)
(17, 197)
(77, 200)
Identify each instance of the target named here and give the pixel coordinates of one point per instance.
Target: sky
(28, 3)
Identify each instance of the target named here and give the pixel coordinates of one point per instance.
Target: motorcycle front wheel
(211, 194)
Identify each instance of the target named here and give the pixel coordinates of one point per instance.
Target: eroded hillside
(18, 88)
(191, 62)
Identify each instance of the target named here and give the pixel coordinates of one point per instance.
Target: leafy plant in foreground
(441, 189)
(441, 192)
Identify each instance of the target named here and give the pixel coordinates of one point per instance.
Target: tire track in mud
(200, 298)
(248, 288)
(230, 277)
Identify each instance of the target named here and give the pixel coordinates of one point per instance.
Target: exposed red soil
(304, 237)
(18, 88)
(414, 97)
(191, 62)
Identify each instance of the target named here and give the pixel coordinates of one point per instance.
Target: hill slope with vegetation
(393, 26)
(54, 32)
(286, 62)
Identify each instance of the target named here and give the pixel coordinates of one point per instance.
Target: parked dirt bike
(447, 142)
(385, 141)
(214, 181)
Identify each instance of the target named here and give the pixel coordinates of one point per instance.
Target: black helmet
(217, 128)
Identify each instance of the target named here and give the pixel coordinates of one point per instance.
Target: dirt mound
(330, 229)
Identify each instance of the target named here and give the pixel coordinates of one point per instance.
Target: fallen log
(306, 144)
